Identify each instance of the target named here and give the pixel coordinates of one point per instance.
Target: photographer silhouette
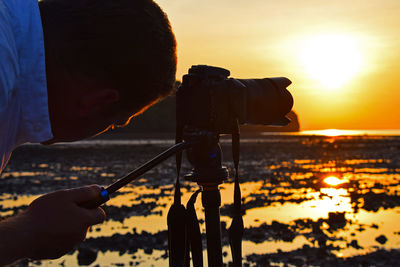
(71, 69)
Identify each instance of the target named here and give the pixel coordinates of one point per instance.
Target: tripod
(205, 154)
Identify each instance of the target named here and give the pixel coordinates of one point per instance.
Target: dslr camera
(207, 99)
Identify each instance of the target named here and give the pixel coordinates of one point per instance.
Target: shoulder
(9, 67)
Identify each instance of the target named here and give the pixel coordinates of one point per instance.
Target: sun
(331, 59)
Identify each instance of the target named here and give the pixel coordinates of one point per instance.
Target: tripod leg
(211, 199)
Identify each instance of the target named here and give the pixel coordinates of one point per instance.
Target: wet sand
(293, 215)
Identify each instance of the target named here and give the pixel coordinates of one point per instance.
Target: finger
(95, 216)
(83, 194)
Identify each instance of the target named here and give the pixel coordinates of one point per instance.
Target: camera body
(207, 99)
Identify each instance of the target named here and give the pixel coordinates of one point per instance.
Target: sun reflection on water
(334, 181)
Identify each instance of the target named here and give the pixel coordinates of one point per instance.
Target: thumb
(95, 216)
(83, 194)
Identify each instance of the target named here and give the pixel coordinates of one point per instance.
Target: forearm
(14, 240)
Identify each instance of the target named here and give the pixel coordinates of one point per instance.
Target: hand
(57, 223)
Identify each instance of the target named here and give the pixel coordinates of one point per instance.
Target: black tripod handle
(105, 193)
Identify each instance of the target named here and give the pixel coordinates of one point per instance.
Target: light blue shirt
(24, 114)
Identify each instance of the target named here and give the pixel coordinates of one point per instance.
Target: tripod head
(205, 156)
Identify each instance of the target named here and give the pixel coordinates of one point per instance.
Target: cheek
(93, 128)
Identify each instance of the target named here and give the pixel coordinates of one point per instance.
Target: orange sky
(259, 38)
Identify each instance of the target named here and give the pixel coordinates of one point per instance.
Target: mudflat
(308, 200)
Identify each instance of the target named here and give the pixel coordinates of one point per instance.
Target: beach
(309, 200)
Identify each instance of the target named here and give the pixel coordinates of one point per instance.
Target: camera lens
(267, 101)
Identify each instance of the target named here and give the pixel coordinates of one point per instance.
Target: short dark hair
(123, 44)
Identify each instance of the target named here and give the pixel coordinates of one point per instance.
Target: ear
(97, 101)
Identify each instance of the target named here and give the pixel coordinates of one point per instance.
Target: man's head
(106, 60)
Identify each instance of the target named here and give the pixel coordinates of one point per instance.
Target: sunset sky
(343, 57)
